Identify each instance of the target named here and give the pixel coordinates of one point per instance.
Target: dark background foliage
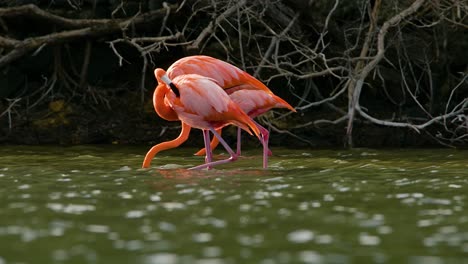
(76, 71)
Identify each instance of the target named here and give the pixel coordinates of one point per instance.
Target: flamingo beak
(166, 79)
(168, 82)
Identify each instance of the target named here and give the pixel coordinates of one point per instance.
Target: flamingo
(256, 99)
(201, 103)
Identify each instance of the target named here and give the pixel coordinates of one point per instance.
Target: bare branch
(329, 99)
(34, 11)
(357, 87)
(8, 42)
(104, 27)
(213, 24)
(415, 127)
(273, 42)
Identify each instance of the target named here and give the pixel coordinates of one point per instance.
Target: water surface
(93, 204)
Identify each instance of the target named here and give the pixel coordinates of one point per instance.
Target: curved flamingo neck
(167, 145)
(159, 104)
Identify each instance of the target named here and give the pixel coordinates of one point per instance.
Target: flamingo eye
(174, 89)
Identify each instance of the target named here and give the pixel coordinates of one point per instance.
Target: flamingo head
(162, 77)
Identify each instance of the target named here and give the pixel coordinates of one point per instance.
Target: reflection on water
(93, 204)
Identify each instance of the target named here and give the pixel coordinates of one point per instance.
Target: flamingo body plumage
(200, 102)
(203, 103)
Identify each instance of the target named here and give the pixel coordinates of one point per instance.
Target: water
(93, 204)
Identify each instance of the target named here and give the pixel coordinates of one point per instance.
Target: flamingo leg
(184, 133)
(239, 132)
(233, 156)
(209, 153)
(213, 144)
(265, 137)
(263, 131)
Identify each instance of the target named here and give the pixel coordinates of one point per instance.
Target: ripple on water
(368, 240)
(323, 239)
(64, 180)
(166, 226)
(405, 181)
(171, 206)
(26, 207)
(375, 221)
(429, 222)
(166, 258)
(436, 201)
(300, 236)
(210, 261)
(60, 255)
(186, 191)
(125, 195)
(202, 237)
(278, 187)
(436, 212)
(155, 198)
(274, 179)
(309, 256)
(233, 198)
(339, 187)
(134, 245)
(212, 252)
(98, 229)
(28, 234)
(447, 236)
(425, 260)
(24, 186)
(250, 240)
(211, 221)
(328, 197)
(171, 166)
(135, 214)
(384, 230)
(71, 208)
(57, 230)
(123, 168)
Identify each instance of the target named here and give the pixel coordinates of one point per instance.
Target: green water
(93, 204)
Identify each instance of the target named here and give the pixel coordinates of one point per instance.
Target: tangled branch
(87, 28)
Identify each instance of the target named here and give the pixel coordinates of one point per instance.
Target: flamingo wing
(225, 74)
(202, 103)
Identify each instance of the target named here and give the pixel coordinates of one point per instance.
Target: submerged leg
(265, 137)
(184, 133)
(233, 156)
(239, 134)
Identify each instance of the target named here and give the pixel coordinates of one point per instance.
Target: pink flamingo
(251, 94)
(200, 102)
